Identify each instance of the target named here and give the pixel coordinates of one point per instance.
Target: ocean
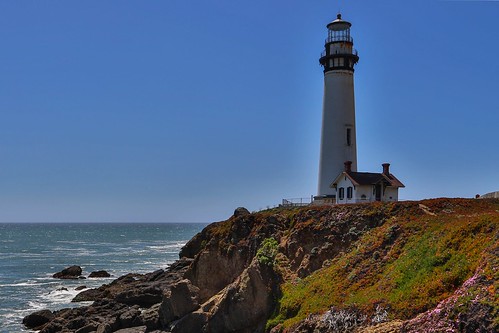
(30, 253)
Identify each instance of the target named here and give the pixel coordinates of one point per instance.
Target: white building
(339, 181)
(491, 195)
(354, 187)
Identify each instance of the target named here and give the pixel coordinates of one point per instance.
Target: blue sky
(179, 110)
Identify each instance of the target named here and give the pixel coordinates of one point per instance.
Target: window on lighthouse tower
(349, 136)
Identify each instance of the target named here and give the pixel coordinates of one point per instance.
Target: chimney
(386, 169)
(348, 166)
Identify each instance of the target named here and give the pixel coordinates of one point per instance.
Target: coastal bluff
(414, 266)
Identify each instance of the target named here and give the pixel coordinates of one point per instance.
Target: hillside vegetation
(417, 257)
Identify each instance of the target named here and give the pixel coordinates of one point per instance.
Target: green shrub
(267, 252)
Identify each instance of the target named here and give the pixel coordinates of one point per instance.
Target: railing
(296, 202)
(302, 202)
(331, 39)
(266, 208)
(353, 51)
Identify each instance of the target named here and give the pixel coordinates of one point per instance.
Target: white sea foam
(29, 255)
(35, 306)
(60, 296)
(166, 247)
(20, 284)
(71, 242)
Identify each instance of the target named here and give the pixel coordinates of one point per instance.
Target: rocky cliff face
(383, 267)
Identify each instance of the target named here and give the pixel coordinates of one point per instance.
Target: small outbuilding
(355, 187)
(491, 195)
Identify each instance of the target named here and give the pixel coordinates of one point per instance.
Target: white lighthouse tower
(338, 137)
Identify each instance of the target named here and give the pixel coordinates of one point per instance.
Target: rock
(240, 229)
(181, 263)
(109, 326)
(88, 295)
(87, 329)
(138, 329)
(53, 326)
(182, 299)
(156, 275)
(144, 290)
(211, 271)
(150, 317)
(81, 288)
(251, 297)
(241, 211)
(72, 272)
(193, 322)
(62, 289)
(78, 322)
(99, 274)
(194, 245)
(144, 297)
(129, 318)
(104, 328)
(38, 318)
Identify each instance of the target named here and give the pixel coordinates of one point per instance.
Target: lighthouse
(338, 136)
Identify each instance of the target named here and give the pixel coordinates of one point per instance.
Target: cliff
(382, 267)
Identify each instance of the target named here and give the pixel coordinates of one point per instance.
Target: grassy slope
(408, 264)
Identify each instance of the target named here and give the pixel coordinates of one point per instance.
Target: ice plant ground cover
(422, 256)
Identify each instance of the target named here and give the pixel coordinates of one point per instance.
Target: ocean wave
(20, 284)
(166, 247)
(35, 306)
(28, 255)
(71, 242)
(59, 297)
(73, 251)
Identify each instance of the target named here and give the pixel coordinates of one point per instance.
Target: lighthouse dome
(339, 24)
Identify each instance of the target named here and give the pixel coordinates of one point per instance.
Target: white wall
(391, 194)
(366, 190)
(338, 114)
(345, 183)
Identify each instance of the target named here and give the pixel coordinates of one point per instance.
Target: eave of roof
(369, 178)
